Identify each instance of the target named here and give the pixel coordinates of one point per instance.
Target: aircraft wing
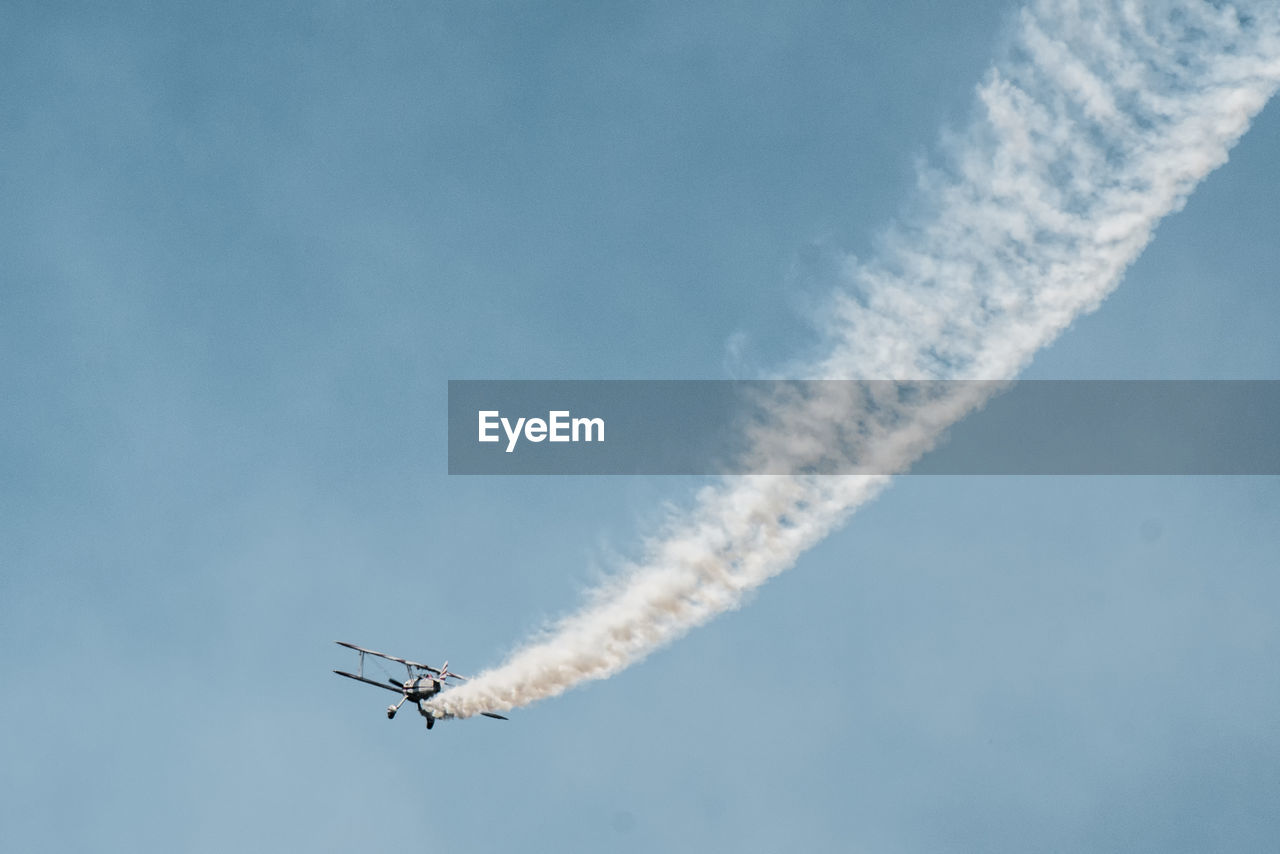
(387, 685)
(404, 661)
(492, 715)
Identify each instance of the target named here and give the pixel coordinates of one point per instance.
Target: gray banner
(864, 427)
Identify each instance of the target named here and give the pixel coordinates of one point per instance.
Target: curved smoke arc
(1100, 120)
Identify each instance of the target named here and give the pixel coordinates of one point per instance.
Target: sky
(245, 248)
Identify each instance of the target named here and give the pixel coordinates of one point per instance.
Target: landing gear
(431, 721)
(391, 710)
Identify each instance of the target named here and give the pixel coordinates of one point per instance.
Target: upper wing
(387, 685)
(404, 661)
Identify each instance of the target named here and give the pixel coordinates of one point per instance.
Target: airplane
(424, 682)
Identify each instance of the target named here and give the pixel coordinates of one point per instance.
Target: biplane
(424, 682)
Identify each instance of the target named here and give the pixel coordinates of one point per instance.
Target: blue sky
(245, 248)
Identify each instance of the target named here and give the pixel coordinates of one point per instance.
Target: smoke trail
(1100, 120)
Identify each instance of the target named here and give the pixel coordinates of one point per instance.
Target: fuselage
(420, 688)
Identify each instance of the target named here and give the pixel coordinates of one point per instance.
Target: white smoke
(1099, 121)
